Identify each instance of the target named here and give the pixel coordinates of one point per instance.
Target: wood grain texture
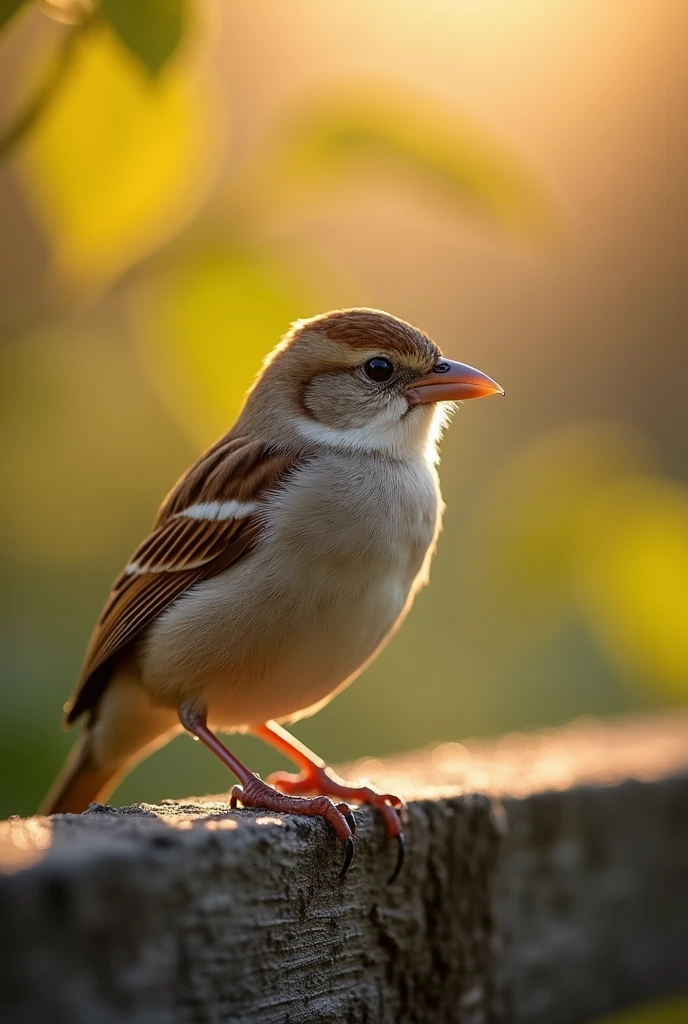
(546, 881)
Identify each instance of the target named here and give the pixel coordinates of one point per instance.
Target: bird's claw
(388, 804)
(340, 816)
(401, 849)
(348, 856)
(349, 816)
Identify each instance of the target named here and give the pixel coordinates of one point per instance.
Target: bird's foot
(324, 783)
(256, 793)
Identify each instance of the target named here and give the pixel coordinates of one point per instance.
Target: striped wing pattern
(206, 524)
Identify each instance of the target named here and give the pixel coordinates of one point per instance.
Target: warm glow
(508, 176)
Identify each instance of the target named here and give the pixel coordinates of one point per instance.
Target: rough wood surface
(546, 881)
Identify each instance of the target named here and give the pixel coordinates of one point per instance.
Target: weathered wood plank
(546, 881)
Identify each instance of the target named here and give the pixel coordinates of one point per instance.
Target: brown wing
(206, 524)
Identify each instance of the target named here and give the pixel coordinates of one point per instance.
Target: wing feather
(208, 522)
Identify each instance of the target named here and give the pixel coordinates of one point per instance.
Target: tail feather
(124, 727)
(81, 781)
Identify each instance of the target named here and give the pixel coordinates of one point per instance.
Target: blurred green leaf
(78, 422)
(372, 129)
(151, 29)
(531, 514)
(118, 166)
(632, 578)
(576, 529)
(7, 9)
(203, 328)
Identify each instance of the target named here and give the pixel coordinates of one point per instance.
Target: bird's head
(361, 379)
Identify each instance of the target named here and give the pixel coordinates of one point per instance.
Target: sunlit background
(509, 177)
(179, 181)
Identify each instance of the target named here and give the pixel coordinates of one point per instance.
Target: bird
(277, 568)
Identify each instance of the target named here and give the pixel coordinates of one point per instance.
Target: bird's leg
(317, 778)
(253, 792)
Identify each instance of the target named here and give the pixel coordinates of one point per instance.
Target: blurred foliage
(632, 578)
(144, 143)
(172, 268)
(200, 326)
(579, 526)
(665, 1011)
(73, 414)
(369, 131)
(535, 503)
(151, 29)
(135, 168)
(7, 9)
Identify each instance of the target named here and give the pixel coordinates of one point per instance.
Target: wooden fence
(546, 881)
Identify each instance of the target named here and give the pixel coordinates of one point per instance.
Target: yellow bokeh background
(508, 181)
(506, 176)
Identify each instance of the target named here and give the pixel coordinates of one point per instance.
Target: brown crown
(366, 328)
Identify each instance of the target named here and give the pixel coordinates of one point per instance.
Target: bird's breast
(357, 517)
(345, 545)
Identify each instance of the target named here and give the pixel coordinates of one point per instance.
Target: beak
(452, 382)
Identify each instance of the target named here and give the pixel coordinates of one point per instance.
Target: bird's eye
(378, 369)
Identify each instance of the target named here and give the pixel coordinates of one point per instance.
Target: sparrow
(277, 568)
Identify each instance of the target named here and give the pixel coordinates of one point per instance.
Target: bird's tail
(124, 727)
(81, 781)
